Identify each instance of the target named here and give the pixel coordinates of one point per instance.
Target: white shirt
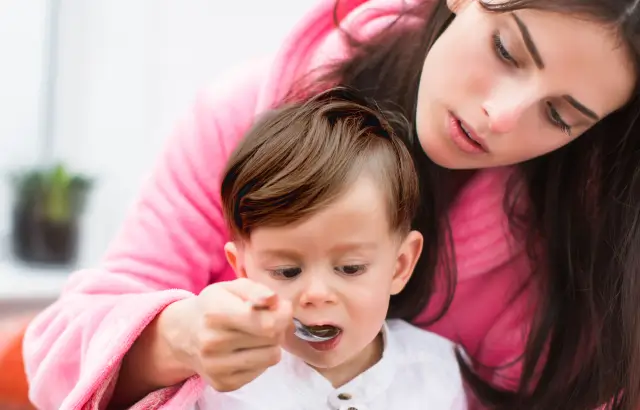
(417, 371)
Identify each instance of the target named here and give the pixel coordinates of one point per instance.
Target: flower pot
(38, 240)
(46, 212)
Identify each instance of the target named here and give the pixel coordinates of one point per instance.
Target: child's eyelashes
(293, 272)
(285, 273)
(351, 270)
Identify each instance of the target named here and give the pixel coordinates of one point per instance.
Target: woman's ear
(234, 258)
(408, 255)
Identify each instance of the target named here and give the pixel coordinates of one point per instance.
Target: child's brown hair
(299, 158)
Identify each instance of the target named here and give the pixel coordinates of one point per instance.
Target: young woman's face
(501, 88)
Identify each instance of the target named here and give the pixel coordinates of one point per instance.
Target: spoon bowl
(309, 334)
(303, 332)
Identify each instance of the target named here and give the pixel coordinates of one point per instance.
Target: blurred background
(89, 92)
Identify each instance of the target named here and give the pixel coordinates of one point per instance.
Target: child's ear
(233, 257)
(408, 255)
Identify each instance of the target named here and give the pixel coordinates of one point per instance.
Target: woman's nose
(506, 108)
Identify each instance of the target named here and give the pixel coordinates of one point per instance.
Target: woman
(524, 112)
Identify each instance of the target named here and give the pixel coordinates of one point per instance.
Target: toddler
(319, 198)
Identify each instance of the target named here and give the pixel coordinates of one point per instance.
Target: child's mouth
(329, 341)
(324, 331)
(315, 333)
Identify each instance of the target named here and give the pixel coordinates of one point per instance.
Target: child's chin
(318, 360)
(328, 362)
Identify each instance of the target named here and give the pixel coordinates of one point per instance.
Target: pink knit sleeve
(169, 248)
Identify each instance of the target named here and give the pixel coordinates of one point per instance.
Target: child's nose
(317, 292)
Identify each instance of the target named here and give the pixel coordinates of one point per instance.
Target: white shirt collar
(417, 370)
(308, 382)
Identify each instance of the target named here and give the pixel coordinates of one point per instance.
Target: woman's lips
(465, 138)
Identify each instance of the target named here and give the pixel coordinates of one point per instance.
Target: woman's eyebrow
(580, 107)
(537, 58)
(528, 41)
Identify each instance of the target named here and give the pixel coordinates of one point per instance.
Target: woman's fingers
(230, 372)
(230, 307)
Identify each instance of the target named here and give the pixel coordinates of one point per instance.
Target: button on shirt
(417, 371)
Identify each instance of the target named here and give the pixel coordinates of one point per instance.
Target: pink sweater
(171, 245)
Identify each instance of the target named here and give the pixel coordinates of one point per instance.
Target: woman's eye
(285, 273)
(501, 50)
(557, 120)
(351, 270)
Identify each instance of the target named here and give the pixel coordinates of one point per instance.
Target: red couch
(13, 382)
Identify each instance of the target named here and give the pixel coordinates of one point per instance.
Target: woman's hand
(222, 337)
(217, 334)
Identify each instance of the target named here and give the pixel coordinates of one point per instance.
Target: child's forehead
(358, 220)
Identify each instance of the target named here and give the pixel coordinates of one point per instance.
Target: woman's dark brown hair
(300, 158)
(583, 349)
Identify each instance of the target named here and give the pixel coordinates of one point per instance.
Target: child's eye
(285, 273)
(351, 270)
(501, 50)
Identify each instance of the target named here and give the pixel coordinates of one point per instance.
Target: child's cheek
(292, 344)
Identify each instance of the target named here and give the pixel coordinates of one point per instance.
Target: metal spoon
(309, 334)
(303, 331)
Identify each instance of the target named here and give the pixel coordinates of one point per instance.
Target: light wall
(127, 70)
(21, 32)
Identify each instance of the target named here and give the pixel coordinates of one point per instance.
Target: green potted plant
(47, 208)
